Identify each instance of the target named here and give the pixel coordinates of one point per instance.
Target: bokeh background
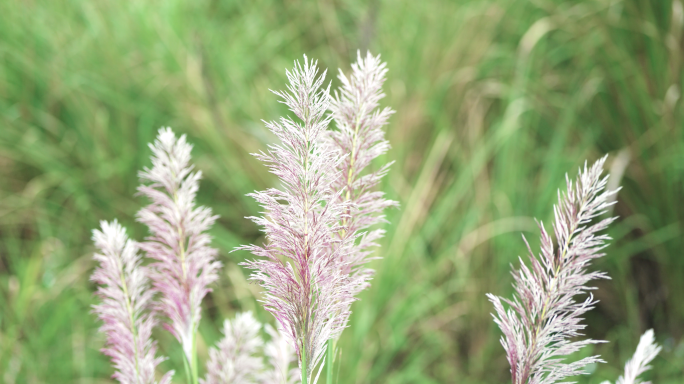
(496, 100)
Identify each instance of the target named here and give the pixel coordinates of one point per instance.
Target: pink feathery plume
(305, 290)
(280, 356)
(646, 351)
(359, 139)
(543, 316)
(125, 293)
(235, 359)
(184, 264)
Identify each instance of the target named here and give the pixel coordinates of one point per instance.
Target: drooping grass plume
(359, 139)
(184, 263)
(235, 359)
(543, 317)
(298, 265)
(126, 297)
(646, 351)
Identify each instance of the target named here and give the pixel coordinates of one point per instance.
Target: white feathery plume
(358, 140)
(280, 356)
(543, 318)
(127, 321)
(184, 264)
(237, 359)
(234, 361)
(646, 351)
(299, 265)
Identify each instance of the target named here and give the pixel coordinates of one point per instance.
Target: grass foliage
(495, 100)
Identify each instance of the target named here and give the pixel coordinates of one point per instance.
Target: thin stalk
(304, 370)
(329, 361)
(337, 377)
(194, 364)
(195, 373)
(190, 364)
(187, 370)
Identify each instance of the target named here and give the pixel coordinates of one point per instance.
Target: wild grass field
(496, 100)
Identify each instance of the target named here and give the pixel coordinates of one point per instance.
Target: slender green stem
(329, 361)
(191, 365)
(304, 370)
(191, 371)
(337, 376)
(187, 370)
(194, 365)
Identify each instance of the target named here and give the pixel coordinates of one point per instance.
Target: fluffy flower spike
(280, 356)
(123, 287)
(543, 317)
(235, 360)
(238, 356)
(646, 351)
(184, 263)
(359, 139)
(305, 290)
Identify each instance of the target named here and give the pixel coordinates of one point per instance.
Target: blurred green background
(496, 100)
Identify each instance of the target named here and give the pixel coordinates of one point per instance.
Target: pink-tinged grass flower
(124, 311)
(646, 351)
(184, 264)
(544, 317)
(358, 140)
(235, 359)
(280, 356)
(298, 266)
(238, 357)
